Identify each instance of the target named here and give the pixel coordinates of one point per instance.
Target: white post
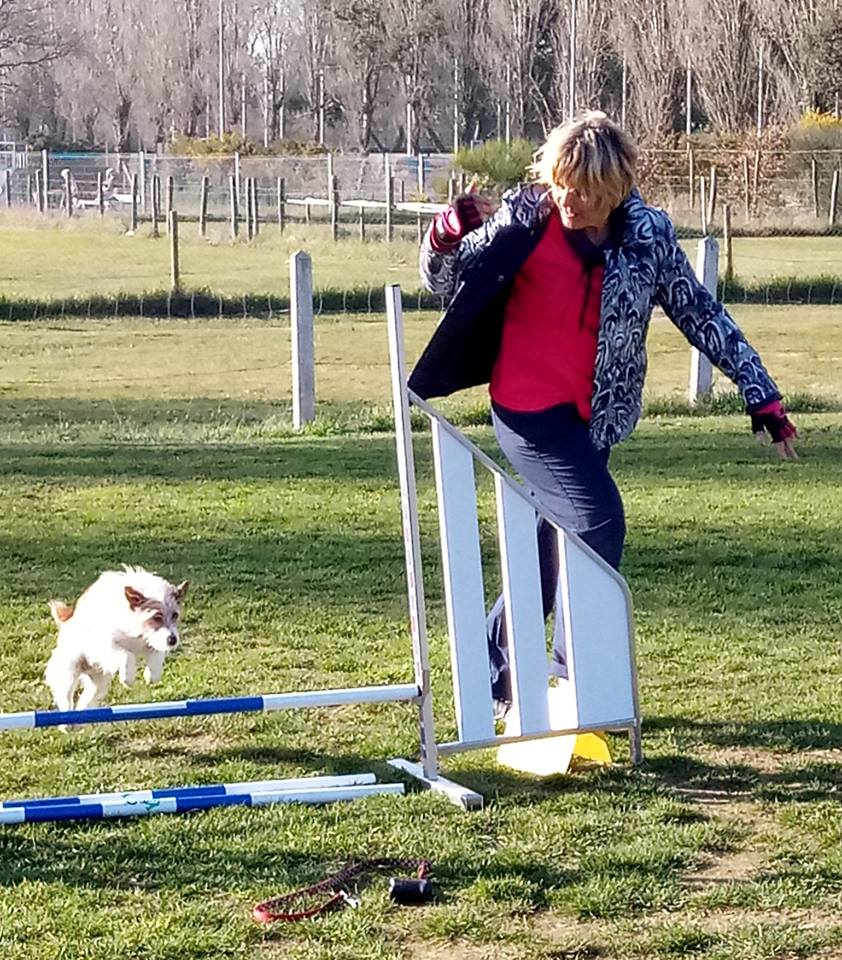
(707, 270)
(221, 71)
(45, 181)
(456, 104)
(321, 94)
(301, 334)
(688, 102)
(624, 92)
(411, 535)
(572, 78)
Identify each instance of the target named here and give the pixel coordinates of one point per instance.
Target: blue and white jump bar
(140, 803)
(396, 693)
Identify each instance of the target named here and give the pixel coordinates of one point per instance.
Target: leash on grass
(292, 906)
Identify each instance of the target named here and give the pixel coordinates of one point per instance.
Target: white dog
(122, 616)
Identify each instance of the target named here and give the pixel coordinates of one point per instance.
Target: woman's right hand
(467, 212)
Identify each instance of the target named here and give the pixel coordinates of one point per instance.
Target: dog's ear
(61, 611)
(135, 597)
(180, 591)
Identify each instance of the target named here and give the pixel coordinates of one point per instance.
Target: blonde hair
(591, 154)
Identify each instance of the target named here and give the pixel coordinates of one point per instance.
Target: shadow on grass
(760, 761)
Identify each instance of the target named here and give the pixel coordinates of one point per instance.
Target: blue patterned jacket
(644, 267)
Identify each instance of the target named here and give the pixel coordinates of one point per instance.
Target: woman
(550, 301)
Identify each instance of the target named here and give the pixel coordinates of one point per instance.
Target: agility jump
(600, 692)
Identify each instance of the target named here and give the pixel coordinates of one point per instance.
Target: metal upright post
(411, 535)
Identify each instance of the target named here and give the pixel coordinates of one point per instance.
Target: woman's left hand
(772, 419)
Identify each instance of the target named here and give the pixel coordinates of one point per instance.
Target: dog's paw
(151, 676)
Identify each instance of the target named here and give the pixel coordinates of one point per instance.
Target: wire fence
(766, 189)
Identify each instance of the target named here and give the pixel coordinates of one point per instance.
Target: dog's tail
(61, 611)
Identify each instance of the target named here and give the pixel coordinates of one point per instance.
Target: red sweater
(550, 328)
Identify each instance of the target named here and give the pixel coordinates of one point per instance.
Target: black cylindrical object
(409, 890)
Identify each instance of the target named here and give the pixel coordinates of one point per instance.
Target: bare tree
(269, 43)
(644, 31)
(28, 35)
(725, 38)
(517, 27)
(416, 30)
(364, 56)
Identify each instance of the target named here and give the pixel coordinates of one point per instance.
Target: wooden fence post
(703, 208)
(235, 210)
(747, 188)
(330, 187)
(172, 229)
(712, 196)
(170, 197)
(726, 239)
(249, 211)
(834, 195)
(38, 193)
(334, 209)
(814, 177)
(7, 186)
(389, 202)
(156, 205)
(301, 335)
(362, 223)
(133, 224)
(707, 270)
(282, 204)
(32, 187)
(100, 193)
(203, 206)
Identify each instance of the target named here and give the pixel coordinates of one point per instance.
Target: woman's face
(579, 212)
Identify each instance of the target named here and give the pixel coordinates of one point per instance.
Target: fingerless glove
(773, 418)
(452, 224)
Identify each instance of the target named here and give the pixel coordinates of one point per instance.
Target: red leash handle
(280, 908)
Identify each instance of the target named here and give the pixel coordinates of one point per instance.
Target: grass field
(53, 259)
(169, 445)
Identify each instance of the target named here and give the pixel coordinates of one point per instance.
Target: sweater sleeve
(442, 268)
(709, 327)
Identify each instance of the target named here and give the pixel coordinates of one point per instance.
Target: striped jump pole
(141, 803)
(265, 703)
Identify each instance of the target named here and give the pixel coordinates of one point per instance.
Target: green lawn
(242, 368)
(169, 445)
(44, 259)
(47, 259)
